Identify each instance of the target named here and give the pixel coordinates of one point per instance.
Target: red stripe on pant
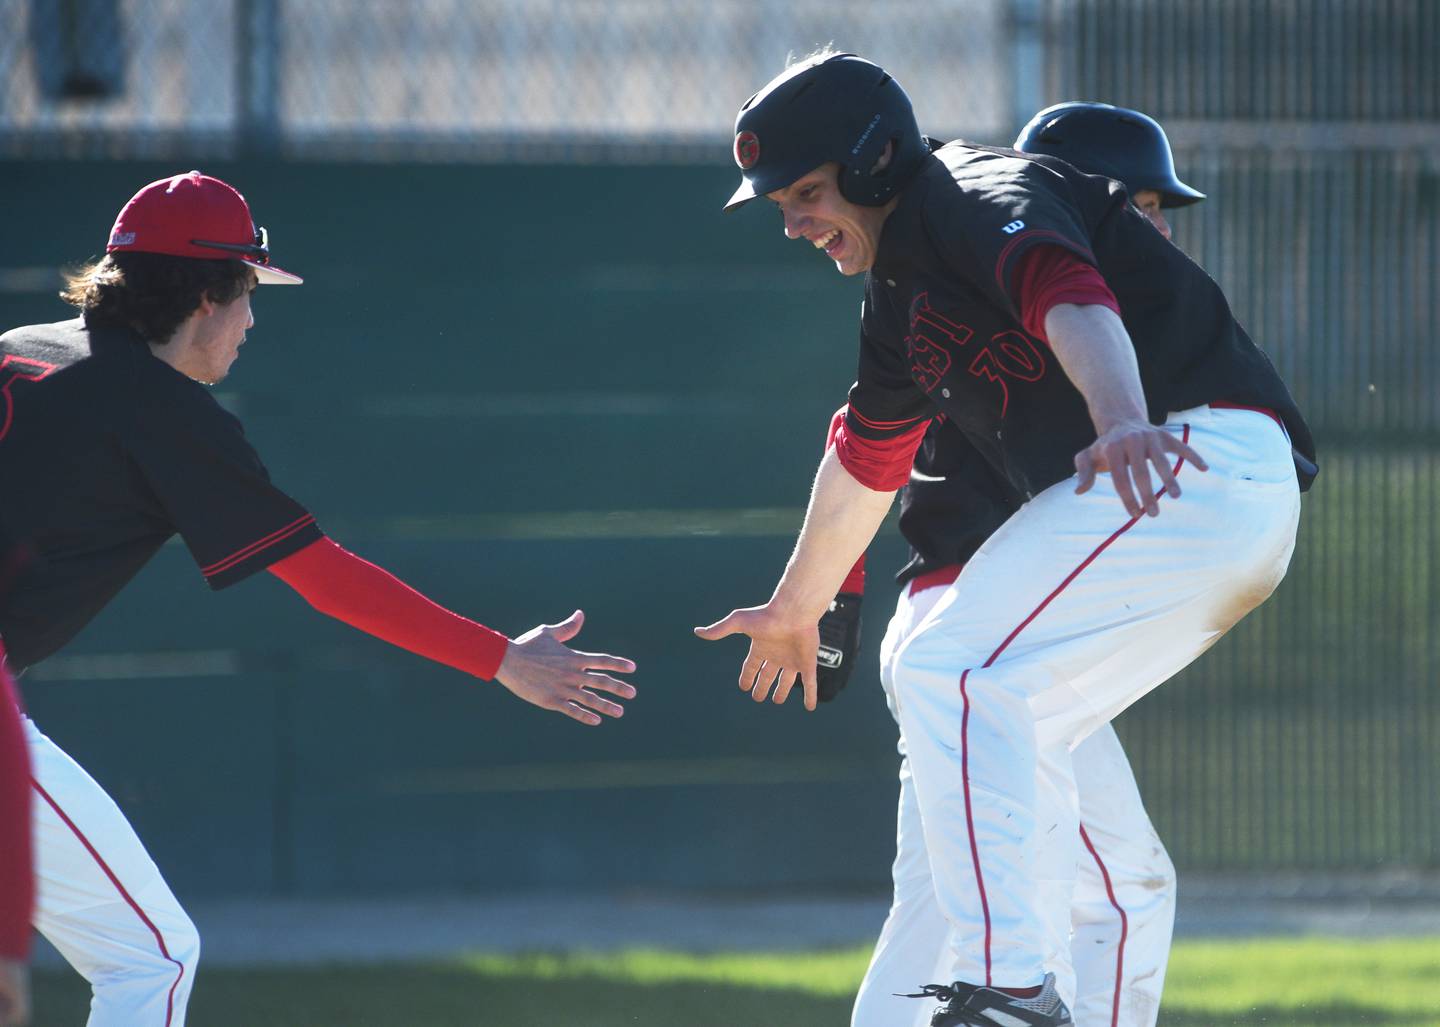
(970, 819)
(965, 718)
(159, 938)
(1124, 926)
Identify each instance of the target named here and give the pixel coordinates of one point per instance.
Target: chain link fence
(458, 79)
(1306, 740)
(1276, 60)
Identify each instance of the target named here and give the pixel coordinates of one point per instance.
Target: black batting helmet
(831, 107)
(1113, 141)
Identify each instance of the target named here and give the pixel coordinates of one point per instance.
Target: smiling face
(814, 210)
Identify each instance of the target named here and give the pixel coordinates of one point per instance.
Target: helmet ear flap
(868, 174)
(861, 178)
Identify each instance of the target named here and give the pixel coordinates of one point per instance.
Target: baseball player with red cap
(109, 445)
(1153, 455)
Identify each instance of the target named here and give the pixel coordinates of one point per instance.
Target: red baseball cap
(194, 215)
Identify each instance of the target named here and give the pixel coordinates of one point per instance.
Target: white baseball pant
(100, 899)
(1122, 913)
(1067, 615)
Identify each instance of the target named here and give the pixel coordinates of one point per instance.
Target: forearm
(1095, 351)
(344, 586)
(854, 582)
(842, 518)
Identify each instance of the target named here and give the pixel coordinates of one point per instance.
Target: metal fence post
(257, 61)
(1027, 44)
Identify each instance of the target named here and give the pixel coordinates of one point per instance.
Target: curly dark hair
(152, 293)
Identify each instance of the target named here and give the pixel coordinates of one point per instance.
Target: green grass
(1278, 983)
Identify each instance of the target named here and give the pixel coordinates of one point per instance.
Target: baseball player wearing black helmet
(1123, 909)
(1144, 439)
(1117, 142)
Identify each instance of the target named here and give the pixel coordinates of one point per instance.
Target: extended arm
(1093, 347)
(1064, 301)
(537, 666)
(842, 518)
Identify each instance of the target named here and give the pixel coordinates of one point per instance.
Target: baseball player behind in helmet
(1148, 446)
(1123, 910)
(109, 445)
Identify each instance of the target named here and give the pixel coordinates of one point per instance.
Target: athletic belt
(936, 578)
(1220, 404)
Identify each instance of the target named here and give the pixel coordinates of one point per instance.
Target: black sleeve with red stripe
(1013, 206)
(215, 490)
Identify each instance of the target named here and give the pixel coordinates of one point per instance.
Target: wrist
(796, 612)
(490, 653)
(1106, 422)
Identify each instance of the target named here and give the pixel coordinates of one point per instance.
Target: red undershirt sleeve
(1050, 275)
(882, 463)
(344, 586)
(17, 875)
(854, 582)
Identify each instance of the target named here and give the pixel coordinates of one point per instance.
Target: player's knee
(137, 984)
(179, 947)
(183, 944)
(1162, 878)
(1151, 886)
(187, 946)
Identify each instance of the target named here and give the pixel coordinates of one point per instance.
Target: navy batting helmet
(831, 107)
(1113, 141)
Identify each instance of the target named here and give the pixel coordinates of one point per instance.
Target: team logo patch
(122, 239)
(747, 150)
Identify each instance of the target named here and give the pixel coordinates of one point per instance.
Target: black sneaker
(965, 1005)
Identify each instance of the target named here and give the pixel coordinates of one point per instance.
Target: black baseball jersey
(952, 503)
(105, 453)
(940, 328)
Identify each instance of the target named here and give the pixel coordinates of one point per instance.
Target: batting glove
(839, 644)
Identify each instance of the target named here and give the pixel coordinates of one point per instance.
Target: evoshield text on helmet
(832, 107)
(1117, 142)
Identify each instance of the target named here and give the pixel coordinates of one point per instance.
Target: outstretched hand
(1128, 450)
(780, 651)
(541, 669)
